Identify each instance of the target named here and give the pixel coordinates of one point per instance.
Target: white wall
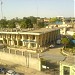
(34, 63)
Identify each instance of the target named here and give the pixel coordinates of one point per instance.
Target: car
(12, 72)
(3, 70)
(51, 46)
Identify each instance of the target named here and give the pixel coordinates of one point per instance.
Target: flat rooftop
(31, 31)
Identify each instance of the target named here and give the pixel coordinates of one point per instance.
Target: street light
(1, 8)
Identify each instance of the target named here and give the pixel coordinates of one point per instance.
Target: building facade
(31, 39)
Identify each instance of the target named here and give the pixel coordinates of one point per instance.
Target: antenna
(1, 9)
(37, 12)
(37, 8)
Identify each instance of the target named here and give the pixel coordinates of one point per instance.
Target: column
(40, 40)
(29, 55)
(9, 51)
(12, 39)
(17, 39)
(23, 40)
(37, 41)
(44, 39)
(71, 71)
(22, 53)
(29, 45)
(61, 69)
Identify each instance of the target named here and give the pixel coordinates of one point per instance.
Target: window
(33, 45)
(33, 37)
(1, 42)
(66, 70)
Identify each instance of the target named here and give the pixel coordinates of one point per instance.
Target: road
(53, 54)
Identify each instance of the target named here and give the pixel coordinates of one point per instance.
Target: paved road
(53, 54)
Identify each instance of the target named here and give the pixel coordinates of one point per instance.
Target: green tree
(23, 24)
(33, 20)
(3, 23)
(65, 41)
(26, 23)
(29, 24)
(11, 23)
(54, 19)
(41, 24)
(74, 36)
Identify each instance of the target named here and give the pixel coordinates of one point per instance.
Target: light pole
(1, 8)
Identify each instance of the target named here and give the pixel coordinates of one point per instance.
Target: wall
(22, 60)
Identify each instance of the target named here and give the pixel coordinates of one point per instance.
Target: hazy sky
(41, 8)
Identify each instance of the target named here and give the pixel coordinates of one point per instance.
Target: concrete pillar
(22, 40)
(40, 40)
(61, 69)
(7, 42)
(12, 43)
(40, 65)
(17, 43)
(71, 71)
(29, 38)
(29, 45)
(9, 51)
(22, 53)
(38, 55)
(29, 55)
(44, 39)
(37, 40)
(15, 52)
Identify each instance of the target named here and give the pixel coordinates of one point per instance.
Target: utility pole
(1, 8)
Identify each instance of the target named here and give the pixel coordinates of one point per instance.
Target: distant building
(63, 26)
(46, 20)
(71, 32)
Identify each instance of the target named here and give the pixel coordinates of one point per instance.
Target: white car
(11, 72)
(51, 46)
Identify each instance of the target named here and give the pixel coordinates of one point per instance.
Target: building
(30, 39)
(71, 32)
(64, 27)
(67, 67)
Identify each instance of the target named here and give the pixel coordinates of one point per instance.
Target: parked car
(12, 72)
(51, 46)
(3, 70)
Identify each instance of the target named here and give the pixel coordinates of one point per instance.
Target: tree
(11, 23)
(65, 41)
(74, 36)
(29, 24)
(41, 24)
(23, 24)
(53, 20)
(3, 23)
(33, 19)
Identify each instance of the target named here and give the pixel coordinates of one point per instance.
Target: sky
(38, 8)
